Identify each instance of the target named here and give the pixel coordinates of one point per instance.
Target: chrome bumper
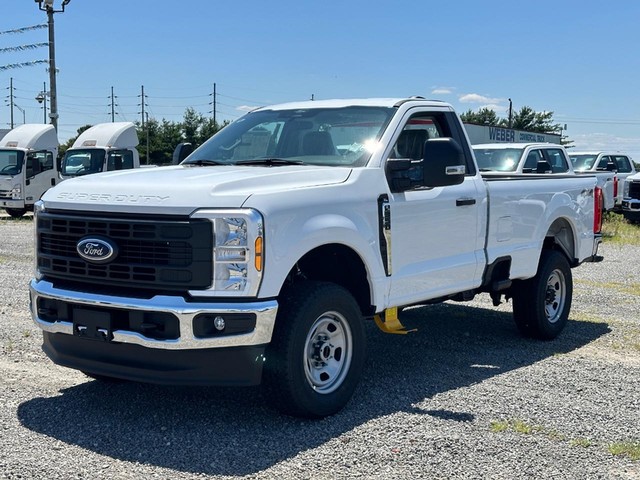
(265, 312)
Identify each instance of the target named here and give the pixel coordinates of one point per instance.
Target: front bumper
(17, 204)
(631, 205)
(190, 358)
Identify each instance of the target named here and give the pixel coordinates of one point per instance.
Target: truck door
(39, 175)
(437, 234)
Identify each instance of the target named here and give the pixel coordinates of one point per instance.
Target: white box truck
(101, 148)
(27, 166)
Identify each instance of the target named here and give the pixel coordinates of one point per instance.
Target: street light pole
(53, 93)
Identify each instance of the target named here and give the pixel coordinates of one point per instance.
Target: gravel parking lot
(463, 397)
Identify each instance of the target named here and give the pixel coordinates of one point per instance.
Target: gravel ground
(463, 397)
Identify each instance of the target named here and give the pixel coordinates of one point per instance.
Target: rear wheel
(316, 355)
(16, 212)
(541, 304)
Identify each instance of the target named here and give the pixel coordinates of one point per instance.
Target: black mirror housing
(182, 151)
(444, 163)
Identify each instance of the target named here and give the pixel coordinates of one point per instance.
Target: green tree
(69, 143)
(484, 116)
(528, 119)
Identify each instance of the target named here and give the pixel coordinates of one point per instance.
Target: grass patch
(632, 289)
(615, 229)
(581, 442)
(629, 449)
(515, 425)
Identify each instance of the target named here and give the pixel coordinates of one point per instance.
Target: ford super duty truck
(261, 256)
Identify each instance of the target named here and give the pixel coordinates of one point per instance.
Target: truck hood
(183, 189)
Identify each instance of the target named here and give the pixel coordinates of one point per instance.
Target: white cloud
(442, 91)
(477, 98)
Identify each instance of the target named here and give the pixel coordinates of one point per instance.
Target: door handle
(461, 202)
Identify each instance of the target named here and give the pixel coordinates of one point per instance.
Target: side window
(623, 163)
(531, 163)
(557, 160)
(120, 160)
(602, 164)
(38, 162)
(417, 130)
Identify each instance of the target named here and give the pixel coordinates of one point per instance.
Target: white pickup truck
(261, 256)
(542, 159)
(613, 162)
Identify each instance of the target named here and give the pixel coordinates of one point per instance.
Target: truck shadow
(227, 431)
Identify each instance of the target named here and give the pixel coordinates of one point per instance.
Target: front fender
(287, 240)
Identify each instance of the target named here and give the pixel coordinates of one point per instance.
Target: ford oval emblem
(97, 249)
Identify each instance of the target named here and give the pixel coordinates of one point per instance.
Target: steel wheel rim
(328, 352)
(555, 296)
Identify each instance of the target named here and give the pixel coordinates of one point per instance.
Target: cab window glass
(622, 163)
(602, 163)
(531, 163)
(418, 129)
(38, 162)
(556, 158)
(120, 160)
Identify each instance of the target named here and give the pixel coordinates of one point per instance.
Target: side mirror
(182, 151)
(444, 163)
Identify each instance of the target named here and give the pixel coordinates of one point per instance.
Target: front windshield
(82, 162)
(11, 162)
(582, 162)
(318, 136)
(498, 159)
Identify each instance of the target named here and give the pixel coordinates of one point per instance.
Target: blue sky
(578, 59)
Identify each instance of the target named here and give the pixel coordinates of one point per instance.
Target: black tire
(317, 352)
(541, 304)
(16, 212)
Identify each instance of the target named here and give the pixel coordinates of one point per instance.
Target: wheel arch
(336, 263)
(561, 236)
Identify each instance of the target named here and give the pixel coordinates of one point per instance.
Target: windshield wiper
(270, 162)
(204, 163)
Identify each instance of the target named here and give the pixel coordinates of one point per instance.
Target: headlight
(237, 252)
(16, 192)
(625, 189)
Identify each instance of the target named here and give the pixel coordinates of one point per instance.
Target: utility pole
(42, 98)
(11, 99)
(148, 155)
(48, 7)
(142, 103)
(510, 114)
(213, 104)
(113, 106)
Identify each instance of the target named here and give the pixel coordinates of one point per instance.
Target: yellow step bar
(391, 322)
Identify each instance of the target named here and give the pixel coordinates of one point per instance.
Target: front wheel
(541, 304)
(16, 212)
(317, 352)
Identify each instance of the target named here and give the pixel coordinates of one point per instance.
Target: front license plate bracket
(92, 324)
